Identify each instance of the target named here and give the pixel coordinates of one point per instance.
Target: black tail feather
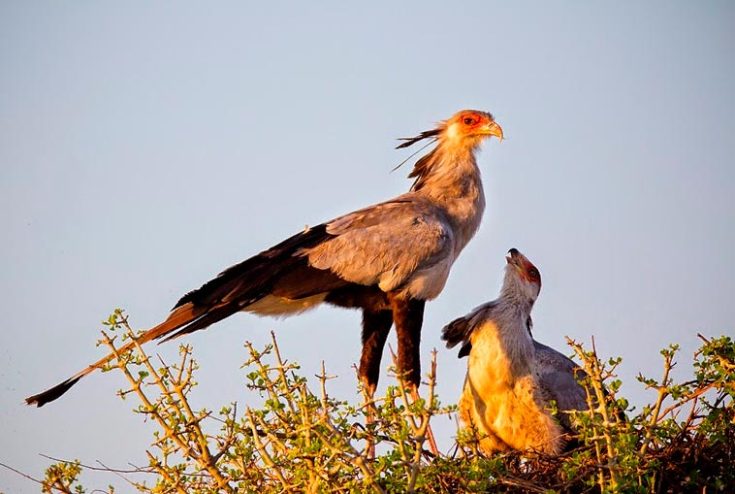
(204, 321)
(53, 393)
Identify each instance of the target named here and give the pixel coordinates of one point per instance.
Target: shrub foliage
(302, 440)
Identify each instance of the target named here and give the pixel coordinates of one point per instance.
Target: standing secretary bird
(387, 259)
(511, 378)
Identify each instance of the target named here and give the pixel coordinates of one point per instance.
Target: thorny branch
(299, 441)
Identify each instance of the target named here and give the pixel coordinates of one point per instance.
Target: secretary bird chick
(387, 259)
(511, 378)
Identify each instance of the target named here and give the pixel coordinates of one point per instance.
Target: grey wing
(386, 244)
(559, 376)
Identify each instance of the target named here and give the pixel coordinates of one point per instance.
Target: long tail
(181, 316)
(278, 271)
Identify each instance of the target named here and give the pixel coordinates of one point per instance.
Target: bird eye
(468, 121)
(533, 273)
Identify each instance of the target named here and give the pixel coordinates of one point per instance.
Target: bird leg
(408, 316)
(375, 328)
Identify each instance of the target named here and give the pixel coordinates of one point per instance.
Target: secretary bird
(511, 378)
(387, 259)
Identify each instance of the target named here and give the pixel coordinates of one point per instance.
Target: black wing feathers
(250, 278)
(457, 331)
(460, 330)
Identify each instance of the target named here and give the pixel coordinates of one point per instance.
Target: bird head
(522, 279)
(466, 128)
(470, 127)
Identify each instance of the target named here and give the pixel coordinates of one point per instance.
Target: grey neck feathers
(450, 178)
(514, 295)
(445, 168)
(511, 314)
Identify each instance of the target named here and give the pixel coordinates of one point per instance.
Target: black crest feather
(410, 141)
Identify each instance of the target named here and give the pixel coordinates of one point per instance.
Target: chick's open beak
(518, 261)
(512, 257)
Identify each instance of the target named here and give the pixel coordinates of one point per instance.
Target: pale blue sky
(146, 146)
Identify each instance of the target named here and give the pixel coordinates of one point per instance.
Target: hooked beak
(493, 129)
